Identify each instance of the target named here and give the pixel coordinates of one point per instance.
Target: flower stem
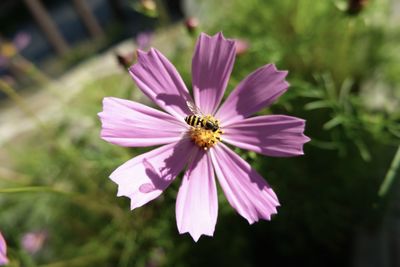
(13, 95)
(83, 200)
(30, 189)
(78, 261)
(390, 175)
(30, 70)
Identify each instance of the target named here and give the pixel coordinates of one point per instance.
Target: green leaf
(363, 150)
(333, 122)
(317, 105)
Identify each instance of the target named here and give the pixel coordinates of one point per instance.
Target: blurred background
(340, 203)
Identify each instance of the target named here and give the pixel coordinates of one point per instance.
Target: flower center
(8, 49)
(207, 133)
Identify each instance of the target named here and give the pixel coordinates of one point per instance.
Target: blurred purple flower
(3, 61)
(32, 242)
(21, 40)
(3, 251)
(10, 49)
(191, 23)
(200, 147)
(241, 46)
(143, 40)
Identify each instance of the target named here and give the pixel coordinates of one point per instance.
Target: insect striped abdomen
(193, 120)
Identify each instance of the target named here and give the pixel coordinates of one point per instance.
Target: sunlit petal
(258, 90)
(197, 203)
(212, 65)
(128, 123)
(272, 135)
(160, 81)
(247, 192)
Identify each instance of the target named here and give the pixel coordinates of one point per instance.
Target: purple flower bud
(241, 46)
(32, 242)
(143, 40)
(21, 40)
(191, 23)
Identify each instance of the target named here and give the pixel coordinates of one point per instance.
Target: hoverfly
(198, 119)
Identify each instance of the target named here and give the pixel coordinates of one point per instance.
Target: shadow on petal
(145, 177)
(178, 101)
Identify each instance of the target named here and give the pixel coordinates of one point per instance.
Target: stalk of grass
(390, 175)
(78, 261)
(86, 200)
(31, 70)
(20, 102)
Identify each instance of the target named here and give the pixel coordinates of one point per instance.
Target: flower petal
(258, 90)
(197, 201)
(247, 192)
(3, 260)
(3, 251)
(21, 40)
(128, 123)
(211, 68)
(272, 135)
(145, 177)
(160, 81)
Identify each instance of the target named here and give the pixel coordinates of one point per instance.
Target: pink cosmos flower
(10, 49)
(241, 46)
(143, 39)
(32, 242)
(3, 251)
(191, 24)
(202, 150)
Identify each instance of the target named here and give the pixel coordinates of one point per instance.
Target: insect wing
(193, 108)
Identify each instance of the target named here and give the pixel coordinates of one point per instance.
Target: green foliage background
(336, 63)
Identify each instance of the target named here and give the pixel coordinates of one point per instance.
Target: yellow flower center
(203, 136)
(8, 49)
